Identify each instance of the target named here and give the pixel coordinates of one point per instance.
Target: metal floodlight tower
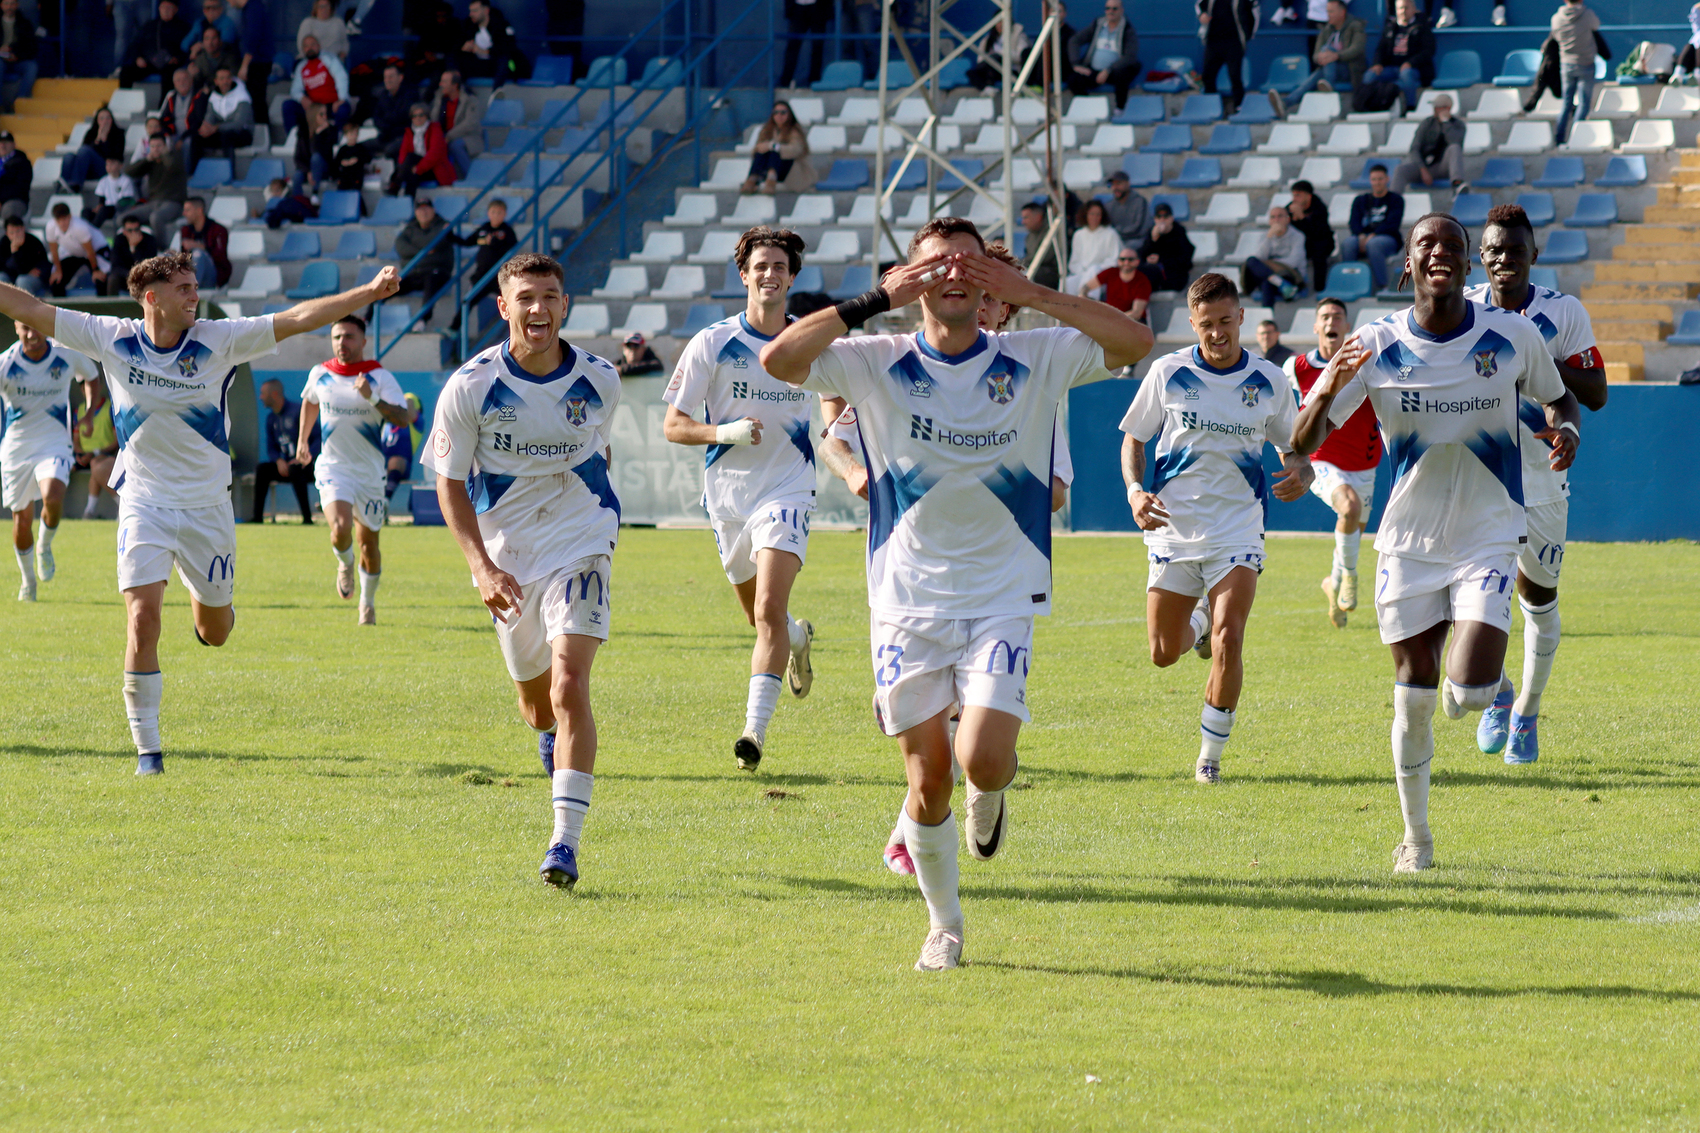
(1032, 150)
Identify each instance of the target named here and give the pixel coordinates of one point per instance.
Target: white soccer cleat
(988, 821)
(345, 581)
(26, 592)
(1206, 772)
(1202, 645)
(368, 615)
(44, 565)
(799, 675)
(1447, 19)
(1349, 590)
(1336, 616)
(1412, 857)
(746, 749)
(941, 952)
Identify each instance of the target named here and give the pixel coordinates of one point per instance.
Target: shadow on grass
(758, 780)
(1555, 780)
(127, 753)
(1677, 885)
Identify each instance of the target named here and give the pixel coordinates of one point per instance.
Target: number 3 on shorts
(886, 674)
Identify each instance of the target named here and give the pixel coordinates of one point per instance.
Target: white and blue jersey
(958, 453)
(721, 369)
(533, 453)
(1569, 335)
(1207, 466)
(35, 402)
(169, 406)
(351, 427)
(1447, 405)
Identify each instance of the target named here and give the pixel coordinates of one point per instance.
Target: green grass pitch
(327, 915)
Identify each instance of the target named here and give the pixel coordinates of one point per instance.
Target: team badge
(187, 364)
(577, 410)
(1487, 363)
(57, 370)
(1249, 394)
(1000, 387)
(442, 444)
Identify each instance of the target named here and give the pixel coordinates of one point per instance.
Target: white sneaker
(1202, 645)
(26, 592)
(345, 581)
(988, 821)
(1206, 772)
(1412, 857)
(1499, 15)
(1349, 590)
(44, 566)
(799, 675)
(1453, 710)
(1447, 19)
(1336, 616)
(941, 952)
(368, 616)
(747, 750)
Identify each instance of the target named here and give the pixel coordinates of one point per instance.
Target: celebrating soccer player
(520, 451)
(1508, 252)
(1345, 464)
(35, 451)
(1444, 377)
(759, 480)
(169, 373)
(956, 429)
(356, 398)
(1214, 404)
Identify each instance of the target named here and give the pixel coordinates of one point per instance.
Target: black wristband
(863, 307)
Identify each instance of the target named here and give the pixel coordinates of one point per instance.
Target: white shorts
(923, 666)
(572, 600)
(367, 500)
(782, 524)
(20, 483)
(1330, 476)
(200, 540)
(1412, 596)
(1197, 577)
(1542, 557)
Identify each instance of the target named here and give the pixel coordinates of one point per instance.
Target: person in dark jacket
(1310, 216)
(1046, 271)
(207, 242)
(23, 258)
(348, 167)
(1437, 149)
(1105, 51)
(491, 49)
(157, 49)
(258, 48)
(104, 139)
(165, 187)
(1376, 219)
(131, 248)
(1227, 27)
(804, 19)
(18, 49)
(315, 150)
(1166, 255)
(1342, 53)
(495, 240)
(182, 109)
(283, 427)
(15, 175)
(386, 107)
(637, 359)
(1405, 54)
(431, 272)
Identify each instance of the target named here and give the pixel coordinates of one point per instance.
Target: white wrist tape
(735, 433)
(1574, 431)
(1132, 490)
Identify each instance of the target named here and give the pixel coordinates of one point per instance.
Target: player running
(956, 427)
(520, 453)
(759, 478)
(1508, 252)
(35, 449)
(1345, 464)
(169, 373)
(356, 398)
(1214, 404)
(1444, 377)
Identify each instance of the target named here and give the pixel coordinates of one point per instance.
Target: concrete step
(1625, 372)
(1683, 253)
(1675, 292)
(1634, 353)
(1632, 330)
(1677, 193)
(1617, 271)
(1660, 233)
(1608, 309)
(1686, 176)
(100, 89)
(1671, 214)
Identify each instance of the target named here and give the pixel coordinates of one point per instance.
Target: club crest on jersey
(577, 409)
(187, 364)
(1249, 395)
(57, 370)
(1487, 363)
(1000, 387)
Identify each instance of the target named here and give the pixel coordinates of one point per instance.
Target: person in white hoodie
(229, 120)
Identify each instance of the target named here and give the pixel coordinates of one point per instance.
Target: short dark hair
(1509, 216)
(1304, 187)
(157, 269)
(1405, 276)
(945, 226)
(354, 321)
(196, 201)
(1210, 287)
(530, 263)
(761, 236)
(1377, 168)
(60, 208)
(1163, 209)
(1270, 323)
(1331, 301)
(17, 220)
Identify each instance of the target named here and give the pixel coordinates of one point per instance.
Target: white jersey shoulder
(35, 401)
(350, 427)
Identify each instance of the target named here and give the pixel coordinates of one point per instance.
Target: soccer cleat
(1447, 19)
(988, 822)
(1491, 733)
(747, 748)
(1207, 772)
(368, 616)
(1412, 857)
(1202, 645)
(1348, 599)
(799, 676)
(150, 764)
(898, 861)
(26, 592)
(44, 564)
(345, 581)
(1336, 616)
(1525, 745)
(941, 952)
(560, 866)
(546, 752)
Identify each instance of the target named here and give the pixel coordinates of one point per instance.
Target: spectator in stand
(1405, 54)
(1093, 246)
(23, 258)
(318, 79)
(283, 426)
(215, 55)
(1437, 148)
(1341, 51)
(348, 167)
(94, 444)
(164, 184)
(1269, 343)
(491, 50)
(208, 244)
(212, 15)
(1277, 270)
(283, 206)
(864, 22)
(113, 194)
(424, 155)
(637, 359)
(128, 16)
(1573, 28)
(387, 108)
(782, 141)
(1130, 213)
(1688, 62)
(1376, 219)
(1106, 51)
(1226, 27)
(420, 235)
(228, 122)
(1310, 217)
(181, 113)
(1166, 256)
(156, 50)
(460, 112)
(805, 23)
(1123, 286)
(988, 71)
(105, 139)
(152, 126)
(18, 50)
(315, 149)
(439, 34)
(1046, 271)
(1065, 30)
(258, 51)
(131, 248)
(495, 241)
(325, 28)
(15, 176)
(75, 249)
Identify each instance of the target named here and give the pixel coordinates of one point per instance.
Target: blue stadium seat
(809, 279)
(319, 279)
(858, 278)
(393, 316)
(211, 173)
(1519, 68)
(954, 74)
(1141, 110)
(605, 71)
(338, 206)
(1348, 283)
(1253, 112)
(503, 112)
(519, 140)
(974, 167)
(526, 173)
(662, 71)
(1198, 173)
(391, 210)
(484, 171)
(1688, 330)
(1177, 202)
(1500, 173)
(1200, 110)
(1471, 209)
(369, 272)
(298, 244)
(897, 76)
(700, 317)
(1169, 139)
(554, 106)
(1545, 277)
(1227, 138)
(914, 177)
(1286, 72)
(262, 171)
(1624, 173)
(848, 174)
(449, 206)
(551, 71)
(1594, 210)
(1540, 208)
(355, 243)
(1565, 247)
(574, 137)
(1361, 181)
(732, 287)
(1457, 70)
(846, 74)
(1019, 244)
(1562, 172)
(1143, 169)
(1180, 65)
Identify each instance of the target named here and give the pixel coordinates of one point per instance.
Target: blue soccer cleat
(546, 752)
(560, 866)
(151, 764)
(1491, 733)
(1525, 745)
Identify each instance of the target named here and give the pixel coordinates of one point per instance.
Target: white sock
(795, 632)
(345, 556)
(758, 710)
(91, 506)
(142, 692)
(368, 586)
(1346, 550)
(1540, 644)
(933, 850)
(572, 803)
(1413, 756)
(1213, 726)
(1474, 698)
(1199, 626)
(26, 565)
(46, 535)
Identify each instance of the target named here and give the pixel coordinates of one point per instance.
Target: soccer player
(356, 398)
(1214, 404)
(169, 373)
(1444, 377)
(35, 450)
(956, 428)
(520, 453)
(759, 475)
(1508, 252)
(1345, 464)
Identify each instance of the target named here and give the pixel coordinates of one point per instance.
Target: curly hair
(157, 270)
(998, 252)
(530, 263)
(761, 236)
